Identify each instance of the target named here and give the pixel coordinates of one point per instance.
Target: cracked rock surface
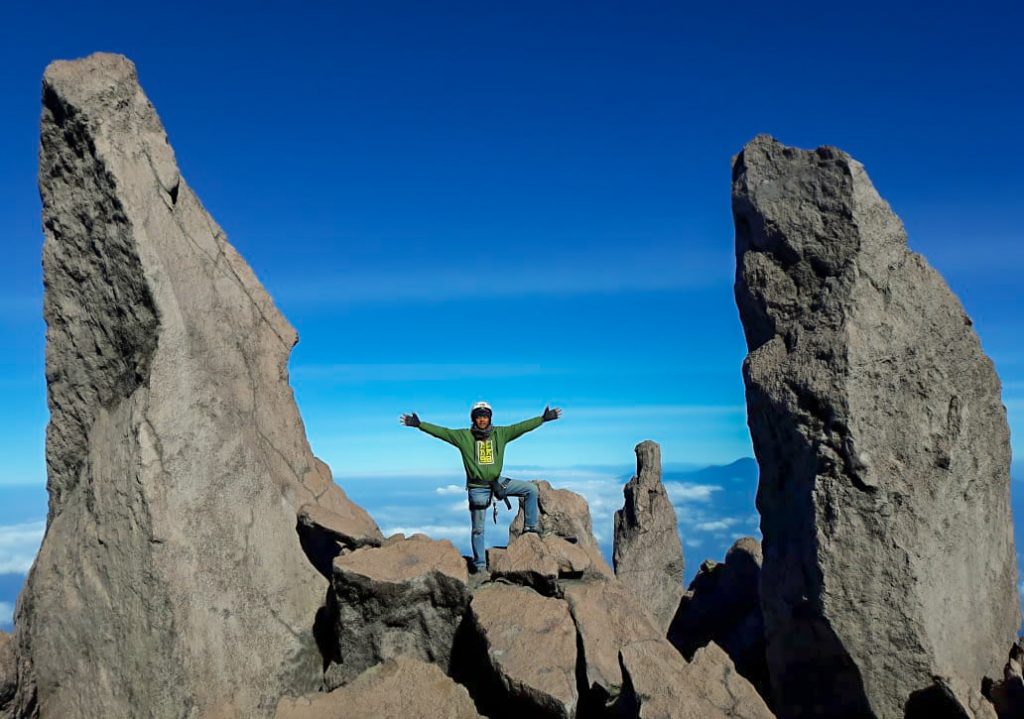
(406, 597)
(647, 554)
(882, 442)
(608, 616)
(528, 646)
(170, 581)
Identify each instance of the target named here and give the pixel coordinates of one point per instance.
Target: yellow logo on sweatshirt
(485, 451)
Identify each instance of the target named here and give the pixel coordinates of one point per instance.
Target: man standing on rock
(483, 452)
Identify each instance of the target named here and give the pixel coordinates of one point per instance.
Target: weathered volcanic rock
(527, 644)
(170, 580)
(660, 684)
(538, 562)
(406, 597)
(8, 670)
(647, 554)
(403, 688)
(565, 514)
(882, 443)
(608, 616)
(1008, 694)
(723, 605)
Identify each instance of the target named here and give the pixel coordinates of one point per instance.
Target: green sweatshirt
(482, 458)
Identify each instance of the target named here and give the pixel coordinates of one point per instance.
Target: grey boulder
(538, 562)
(406, 597)
(647, 554)
(882, 441)
(565, 514)
(521, 653)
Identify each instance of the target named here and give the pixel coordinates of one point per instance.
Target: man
(483, 452)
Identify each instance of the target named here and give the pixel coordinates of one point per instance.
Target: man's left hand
(551, 414)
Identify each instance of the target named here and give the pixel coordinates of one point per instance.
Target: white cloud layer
(18, 546)
(717, 525)
(682, 492)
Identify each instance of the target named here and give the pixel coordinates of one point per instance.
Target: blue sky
(524, 202)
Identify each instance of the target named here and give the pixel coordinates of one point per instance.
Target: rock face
(882, 443)
(660, 684)
(405, 598)
(565, 514)
(169, 580)
(647, 554)
(402, 687)
(722, 605)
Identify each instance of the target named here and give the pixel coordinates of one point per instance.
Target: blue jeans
(478, 502)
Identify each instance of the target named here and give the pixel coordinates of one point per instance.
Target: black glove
(550, 414)
(410, 420)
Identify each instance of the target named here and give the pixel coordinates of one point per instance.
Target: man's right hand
(410, 420)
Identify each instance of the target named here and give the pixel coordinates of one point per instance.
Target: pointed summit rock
(647, 553)
(882, 442)
(170, 581)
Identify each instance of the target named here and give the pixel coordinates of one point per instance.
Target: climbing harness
(499, 490)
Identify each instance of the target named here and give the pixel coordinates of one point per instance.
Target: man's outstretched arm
(413, 420)
(520, 428)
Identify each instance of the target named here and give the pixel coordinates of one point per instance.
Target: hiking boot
(541, 532)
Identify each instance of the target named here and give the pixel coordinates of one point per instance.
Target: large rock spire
(882, 442)
(170, 581)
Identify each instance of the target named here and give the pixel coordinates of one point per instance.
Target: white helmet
(480, 408)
